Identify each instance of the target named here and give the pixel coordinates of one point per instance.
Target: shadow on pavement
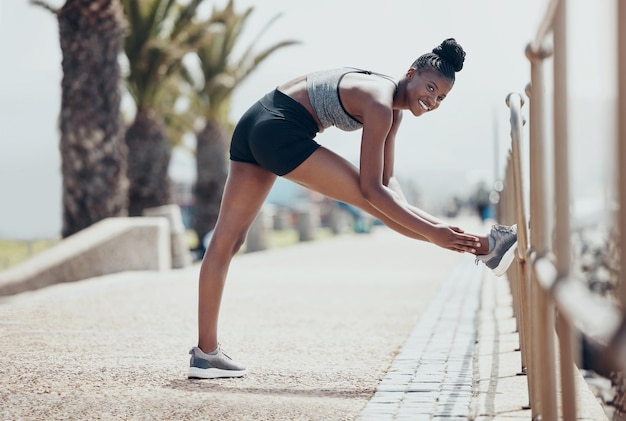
(234, 386)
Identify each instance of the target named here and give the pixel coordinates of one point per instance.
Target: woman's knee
(227, 243)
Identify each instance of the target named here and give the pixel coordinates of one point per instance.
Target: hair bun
(451, 52)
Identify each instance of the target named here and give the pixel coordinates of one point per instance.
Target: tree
(93, 152)
(161, 33)
(221, 75)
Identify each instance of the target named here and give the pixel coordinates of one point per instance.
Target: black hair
(447, 58)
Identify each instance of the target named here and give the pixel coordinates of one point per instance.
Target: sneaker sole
(213, 373)
(506, 260)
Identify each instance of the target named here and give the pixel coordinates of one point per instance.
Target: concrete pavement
(355, 327)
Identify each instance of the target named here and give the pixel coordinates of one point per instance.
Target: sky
(447, 152)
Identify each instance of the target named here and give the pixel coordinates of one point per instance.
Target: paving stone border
(432, 375)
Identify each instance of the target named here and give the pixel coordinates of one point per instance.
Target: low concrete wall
(258, 237)
(308, 222)
(112, 245)
(181, 256)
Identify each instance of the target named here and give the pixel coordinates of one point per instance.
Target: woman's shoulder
(373, 87)
(332, 73)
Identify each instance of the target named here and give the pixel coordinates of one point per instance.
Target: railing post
(539, 212)
(514, 102)
(562, 202)
(561, 150)
(621, 139)
(542, 316)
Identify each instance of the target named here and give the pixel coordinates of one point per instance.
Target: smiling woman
(29, 155)
(276, 137)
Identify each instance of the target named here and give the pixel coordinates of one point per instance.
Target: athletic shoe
(501, 255)
(212, 366)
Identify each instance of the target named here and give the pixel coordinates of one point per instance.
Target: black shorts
(276, 133)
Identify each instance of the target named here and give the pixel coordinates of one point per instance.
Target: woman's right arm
(375, 130)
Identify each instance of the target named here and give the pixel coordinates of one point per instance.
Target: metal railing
(547, 301)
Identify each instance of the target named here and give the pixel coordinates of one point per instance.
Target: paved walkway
(371, 327)
(433, 375)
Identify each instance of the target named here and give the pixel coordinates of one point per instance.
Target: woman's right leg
(246, 188)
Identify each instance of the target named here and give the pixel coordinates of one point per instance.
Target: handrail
(515, 102)
(542, 283)
(545, 27)
(597, 317)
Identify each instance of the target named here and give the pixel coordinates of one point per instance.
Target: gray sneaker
(213, 366)
(501, 255)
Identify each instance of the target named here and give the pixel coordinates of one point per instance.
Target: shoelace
(222, 352)
(503, 228)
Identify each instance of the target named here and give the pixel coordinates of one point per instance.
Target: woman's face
(426, 88)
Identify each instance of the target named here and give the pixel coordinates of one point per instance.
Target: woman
(275, 137)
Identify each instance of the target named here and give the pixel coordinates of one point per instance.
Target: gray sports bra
(323, 90)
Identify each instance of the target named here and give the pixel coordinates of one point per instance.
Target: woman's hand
(453, 238)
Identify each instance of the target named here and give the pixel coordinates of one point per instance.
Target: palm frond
(248, 64)
(163, 32)
(185, 16)
(223, 73)
(152, 52)
(45, 5)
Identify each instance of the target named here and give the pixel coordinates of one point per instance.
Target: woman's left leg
(335, 177)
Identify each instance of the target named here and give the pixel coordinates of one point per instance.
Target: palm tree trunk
(92, 148)
(149, 154)
(212, 169)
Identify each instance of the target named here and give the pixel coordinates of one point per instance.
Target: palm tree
(161, 33)
(222, 74)
(92, 147)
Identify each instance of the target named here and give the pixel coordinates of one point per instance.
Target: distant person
(482, 201)
(275, 137)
